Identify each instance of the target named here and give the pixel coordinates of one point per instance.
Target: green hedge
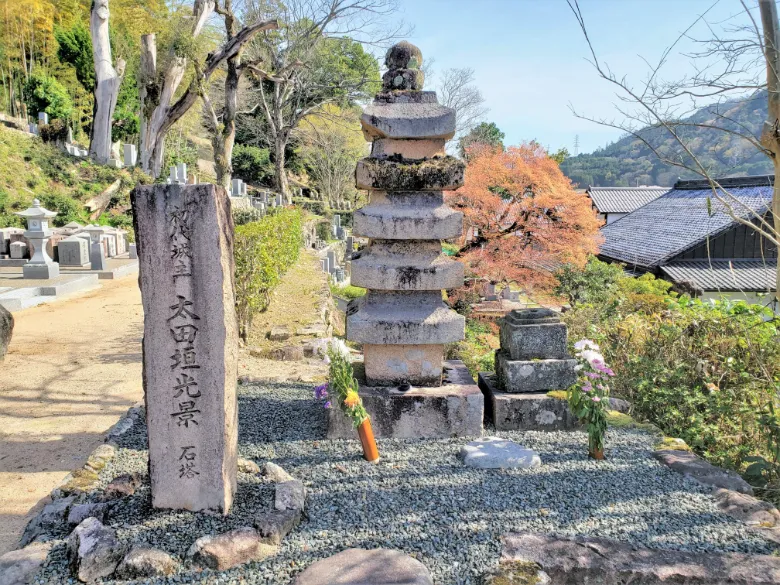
(264, 250)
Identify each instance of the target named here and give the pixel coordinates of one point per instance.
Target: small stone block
(524, 412)
(231, 549)
(455, 409)
(290, 495)
(498, 453)
(534, 375)
(279, 334)
(366, 567)
(277, 524)
(444, 173)
(393, 365)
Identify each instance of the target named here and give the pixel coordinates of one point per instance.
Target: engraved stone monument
(190, 347)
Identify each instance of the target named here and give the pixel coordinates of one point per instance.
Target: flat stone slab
(524, 412)
(407, 216)
(18, 567)
(455, 409)
(356, 566)
(695, 467)
(408, 119)
(442, 173)
(498, 453)
(404, 319)
(402, 265)
(606, 562)
(534, 375)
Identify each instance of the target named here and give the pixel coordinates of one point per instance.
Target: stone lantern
(38, 233)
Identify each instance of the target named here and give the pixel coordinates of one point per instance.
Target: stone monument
(74, 251)
(533, 360)
(190, 346)
(402, 321)
(97, 254)
(40, 266)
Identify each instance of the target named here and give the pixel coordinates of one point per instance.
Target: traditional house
(612, 203)
(692, 238)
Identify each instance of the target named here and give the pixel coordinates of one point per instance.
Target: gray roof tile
(623, 199)
(724, 275)
(677, 221)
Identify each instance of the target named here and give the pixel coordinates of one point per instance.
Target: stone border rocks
(693, 466)
(595, 560)
(356, 566)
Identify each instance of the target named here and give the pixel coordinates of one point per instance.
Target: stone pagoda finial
(402, 321)
(403, 62)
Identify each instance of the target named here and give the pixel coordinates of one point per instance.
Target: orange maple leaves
(523, 218)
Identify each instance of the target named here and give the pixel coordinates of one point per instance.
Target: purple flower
(595, 399)
(321, 391)
(327, 404)
(592, 375)
(587, 387)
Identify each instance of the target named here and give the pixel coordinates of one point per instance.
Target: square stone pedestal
(538, 375)
(41, 271)
(528, 411)
(454, 409)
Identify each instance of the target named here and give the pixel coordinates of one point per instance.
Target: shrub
(348, 291)
(706, 372)
(45, 94)
(263, 251)
(477, 350)
(245, 216)
(252, 164)
(324, 231)
(57, 130)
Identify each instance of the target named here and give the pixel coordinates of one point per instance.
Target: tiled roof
(678, 220)
(724, 275)
(623, 199)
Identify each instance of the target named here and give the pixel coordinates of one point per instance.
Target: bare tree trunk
(224, 139)
(280, 174)
(770, 136)
(107, 82)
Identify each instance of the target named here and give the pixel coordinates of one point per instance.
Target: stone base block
(455, 409)
(524, 412)
(41, 271)
(534, 375)
(393, 365)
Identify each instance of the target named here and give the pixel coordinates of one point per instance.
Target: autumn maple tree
(523, 218)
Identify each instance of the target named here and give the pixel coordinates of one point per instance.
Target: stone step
(407, 115)
(406, 265)
(442, 173)
(404, 318)
(407, 216)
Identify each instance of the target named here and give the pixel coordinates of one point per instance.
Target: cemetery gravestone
(131, 155)
(18, 250)
(73, 251)
(190, 344)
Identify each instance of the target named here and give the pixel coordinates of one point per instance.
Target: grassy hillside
(628, 161)
(31, 169)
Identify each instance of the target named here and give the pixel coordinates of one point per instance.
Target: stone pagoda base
(527, 411)
(41, 271)
(539, 375)
(454, 409)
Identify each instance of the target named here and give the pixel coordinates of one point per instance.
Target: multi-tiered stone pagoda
(402, 322)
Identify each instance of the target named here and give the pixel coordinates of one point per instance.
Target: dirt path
(74, 367)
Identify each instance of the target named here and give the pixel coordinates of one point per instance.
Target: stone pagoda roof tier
(408, 216)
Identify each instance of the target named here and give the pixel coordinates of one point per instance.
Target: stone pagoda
(402, 321)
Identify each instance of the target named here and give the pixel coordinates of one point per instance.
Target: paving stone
(231, 549)
(498, 453)
(356, 566)
(277, 524)
(18, 567)
(143, 562)
(695, 467)
(248, 466)
(290, 495)
(93, 550)
(747, 508)
(122, 486)
(52, 516)
(275, 473)
(280, 333)
(80, 512)
(599, 561)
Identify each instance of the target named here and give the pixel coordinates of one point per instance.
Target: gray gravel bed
(421, 499)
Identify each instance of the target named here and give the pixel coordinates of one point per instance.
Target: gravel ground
(420, 499)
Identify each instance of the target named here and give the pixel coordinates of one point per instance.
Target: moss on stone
(397, 174)
(672, 444)
(80, 481)
(514, 573)
(559, 394)
(621, 420)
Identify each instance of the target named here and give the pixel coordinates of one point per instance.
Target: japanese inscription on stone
(190, 343)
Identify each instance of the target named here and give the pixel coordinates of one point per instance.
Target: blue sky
(529, 56)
